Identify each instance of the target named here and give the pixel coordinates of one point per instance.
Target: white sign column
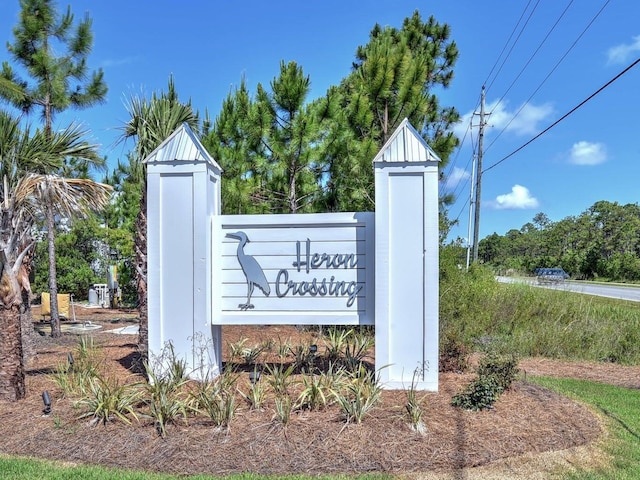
(406, 301)
(183, 185)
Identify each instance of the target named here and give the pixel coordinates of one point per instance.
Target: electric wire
(464, 181)
(467, 180)
(451, 166)
(507, 43)
(532, 56)
(589, 98)
(513, 45)
(544, 80)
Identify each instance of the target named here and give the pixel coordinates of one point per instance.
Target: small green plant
(256, 395)
(356, 349)
(218, 405)
(280, 378)
(362, 395)
(303, 358)
(250, 355)
(64, 380)
(216, 399)
(108, 398)
(74, 375)
(283, 408)
(235, 350)
(177, 366)
(336, 341)
(504, 368)
(86, 348)
(314, 392)
(267, 345)
(57, 422)
(480, 394)
(413, 408)
(166, 401)
(283, 348)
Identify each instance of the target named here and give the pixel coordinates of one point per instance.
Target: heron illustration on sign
(251, 269)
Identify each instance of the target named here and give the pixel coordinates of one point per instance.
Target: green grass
(621, 409)
(33, 469)
(530, 321)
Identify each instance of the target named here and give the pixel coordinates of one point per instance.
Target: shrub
(216, 399)
(495, 374)
(480, 394)
(454, 355)
(503, 368)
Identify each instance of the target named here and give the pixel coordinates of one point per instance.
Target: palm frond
(70, 197)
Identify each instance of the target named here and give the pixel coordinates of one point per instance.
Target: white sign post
(206, 270)
(406, 179)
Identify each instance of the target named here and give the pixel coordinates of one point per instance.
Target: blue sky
(566, 52)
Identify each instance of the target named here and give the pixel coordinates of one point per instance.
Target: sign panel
(318, 268)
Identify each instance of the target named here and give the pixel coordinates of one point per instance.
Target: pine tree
(53, 54)
(267, 146)
(393, 78)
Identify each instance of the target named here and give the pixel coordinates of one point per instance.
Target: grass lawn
(34, 469)
(621, 409)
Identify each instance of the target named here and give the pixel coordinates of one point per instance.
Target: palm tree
(57, 147)
(23, 197)
(151, 122)
(52, 50)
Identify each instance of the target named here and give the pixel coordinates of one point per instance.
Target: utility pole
(476, 219)
(471, 205)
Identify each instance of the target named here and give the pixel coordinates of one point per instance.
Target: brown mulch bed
(527, 421)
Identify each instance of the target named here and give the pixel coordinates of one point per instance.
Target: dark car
(551, 275)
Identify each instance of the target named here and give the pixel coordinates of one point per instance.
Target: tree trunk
(11, 367)
(28, 333)
(141, 274)
(29, 351)
(53, 282)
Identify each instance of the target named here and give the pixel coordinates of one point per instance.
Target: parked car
(551, 275)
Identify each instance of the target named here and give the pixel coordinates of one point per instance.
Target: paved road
(626, 292)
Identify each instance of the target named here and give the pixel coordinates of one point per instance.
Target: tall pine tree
(394, 77)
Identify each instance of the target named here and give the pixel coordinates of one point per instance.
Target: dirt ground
(531, 432)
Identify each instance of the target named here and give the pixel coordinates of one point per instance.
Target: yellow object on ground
(64, 300)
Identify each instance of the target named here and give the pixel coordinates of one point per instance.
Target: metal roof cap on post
(182, 146)
(406, 145)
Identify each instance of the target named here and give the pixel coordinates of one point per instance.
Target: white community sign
(206, 270)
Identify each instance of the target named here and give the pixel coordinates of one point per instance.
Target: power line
(565, 115)
(544, 80)
(514, 43)
(533, 55)
(507, 43)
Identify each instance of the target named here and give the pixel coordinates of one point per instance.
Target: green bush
(494, 375)
(480, 394)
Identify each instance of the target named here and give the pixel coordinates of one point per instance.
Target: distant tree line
(602, 242)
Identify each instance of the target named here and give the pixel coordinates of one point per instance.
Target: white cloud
(457, 176)
(587, 153)
(518, 198)
(623, 52)
(523, 120)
